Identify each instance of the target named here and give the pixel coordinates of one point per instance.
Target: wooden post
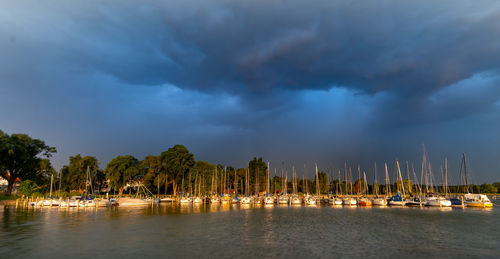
(96, 203)
(17, 201)
(78, 203)
(463, 205)
(67, 204)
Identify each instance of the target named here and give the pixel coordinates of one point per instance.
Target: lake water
(175, 231)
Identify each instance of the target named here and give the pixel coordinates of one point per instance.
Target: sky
(302, 82)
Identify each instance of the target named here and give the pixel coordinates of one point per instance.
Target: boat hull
(379, 202)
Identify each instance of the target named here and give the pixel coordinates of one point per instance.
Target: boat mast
(317, 182)
(282, 177)
(51, 180)
(286, 182)
(465, 171)
(359, 180)
(446, 176)
(375, 183)
(387, 186)
(401, 178)
(350, 180)
(60, 180)
(235, 183)
(257, 182)
(345, 177)
(268, 178)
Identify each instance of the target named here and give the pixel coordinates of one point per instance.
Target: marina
(249, 231)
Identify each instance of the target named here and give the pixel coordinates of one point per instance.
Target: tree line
(174, 171)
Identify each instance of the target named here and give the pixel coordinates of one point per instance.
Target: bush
(27, 187)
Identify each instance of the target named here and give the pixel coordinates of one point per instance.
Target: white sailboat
(283, 199)
(314, 200)
(295, 199)
(349, 200)
(268, 200)
(398, 200)
(247, 199)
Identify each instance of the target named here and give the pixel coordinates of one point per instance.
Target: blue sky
(294, 81)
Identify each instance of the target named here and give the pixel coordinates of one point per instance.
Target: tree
(323, 182)
(257, 165)
(122, 170)
(74, 175)
(20, 157)
(177, 161)
(27, 187)
(488, 188)
(152, 167)
(205, 171)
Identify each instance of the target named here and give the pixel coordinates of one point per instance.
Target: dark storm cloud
(306, 80)
(257, 46)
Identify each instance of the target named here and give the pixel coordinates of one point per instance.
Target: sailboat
(235, 199)
(50, 201)
(436, 200)
(380, 201)
(86, 200)
(364, 201)
(247, 199)
(417, 200)
(214, 199)
(185, 198)
(458, 201)
(197, 190)
(257, 199)
(143, 196)
(295, 199)
(474, 200)
(226, 198)
(348, 200)
(313, 200)
(268, 200)
(335, 199)
(283, 198)
(398, 200)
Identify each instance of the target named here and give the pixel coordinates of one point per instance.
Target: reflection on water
(248, 230)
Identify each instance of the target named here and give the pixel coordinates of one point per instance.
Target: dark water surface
(174, 231)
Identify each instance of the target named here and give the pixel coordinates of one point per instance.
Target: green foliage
(74, 175)
(177, 161)
(497, 185)
(258, 171)
(488, 188)
(26, 187)
(20, 157)
(122, 170)
(152, 167)
(323, 183)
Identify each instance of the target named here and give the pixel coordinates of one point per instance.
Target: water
(175, 231)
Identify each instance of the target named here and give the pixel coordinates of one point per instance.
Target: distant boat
(349, 201)
(186, 199)
(294, 199)
(268, 200)
(284, 198)
(436, 200)
(132, 202)
(246, 200)
(380, 201)
(398, 200)
(364, 201)
(477, 201)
